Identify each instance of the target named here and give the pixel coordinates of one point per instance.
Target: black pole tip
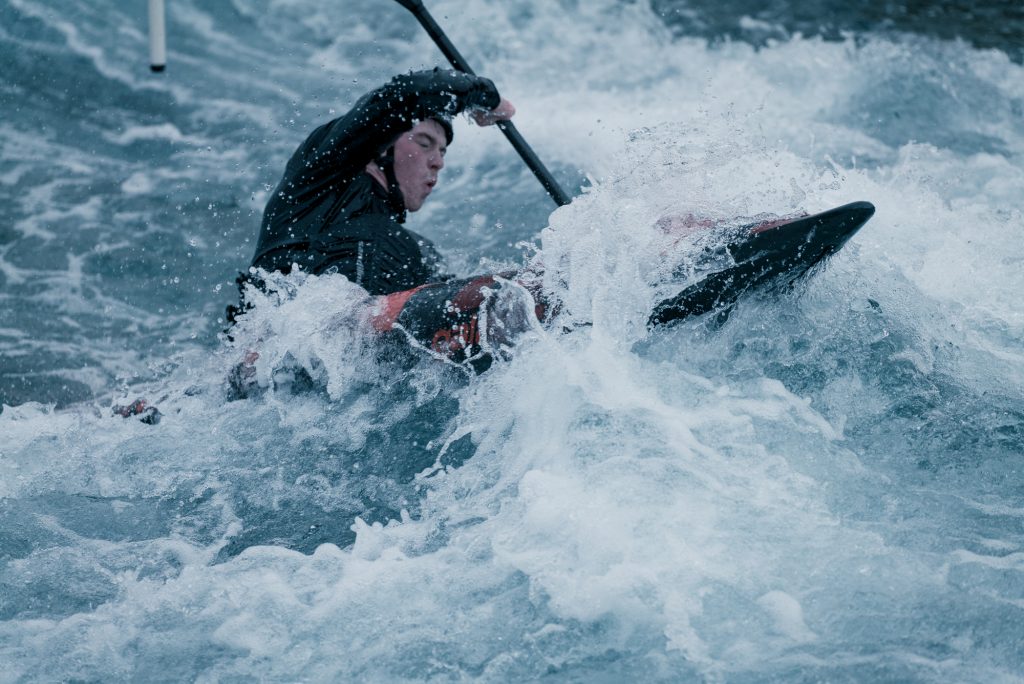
(156, 68)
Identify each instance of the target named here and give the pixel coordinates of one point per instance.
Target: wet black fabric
(328, 214)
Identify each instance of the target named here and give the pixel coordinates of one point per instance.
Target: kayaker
(342, 202)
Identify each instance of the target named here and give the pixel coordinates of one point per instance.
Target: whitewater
(823, 485)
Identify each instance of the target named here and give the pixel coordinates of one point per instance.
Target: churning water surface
(825, 485)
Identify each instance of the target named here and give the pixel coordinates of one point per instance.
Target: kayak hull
(469, 321)
(772, 254)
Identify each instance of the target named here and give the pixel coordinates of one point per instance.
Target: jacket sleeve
(348, 143)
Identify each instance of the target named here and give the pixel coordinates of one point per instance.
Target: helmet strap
(386, 162)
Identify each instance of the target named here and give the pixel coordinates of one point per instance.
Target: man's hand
(504, 111)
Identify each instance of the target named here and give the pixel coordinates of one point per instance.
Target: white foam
(709, 503)
(164, 131)
(788, 615)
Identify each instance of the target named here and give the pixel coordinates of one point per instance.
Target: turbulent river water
(823, 486)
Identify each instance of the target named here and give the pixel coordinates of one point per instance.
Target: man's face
(419, 157)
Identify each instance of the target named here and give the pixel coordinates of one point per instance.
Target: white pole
(157, 36)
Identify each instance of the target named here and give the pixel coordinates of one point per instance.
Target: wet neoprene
(328, 214)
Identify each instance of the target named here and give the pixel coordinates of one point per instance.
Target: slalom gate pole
(157, 36)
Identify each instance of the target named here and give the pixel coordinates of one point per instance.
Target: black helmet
(446, 124)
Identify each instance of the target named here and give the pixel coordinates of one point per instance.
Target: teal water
(824, 486)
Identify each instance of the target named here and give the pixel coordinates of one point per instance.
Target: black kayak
(768, 254)
(469, 321)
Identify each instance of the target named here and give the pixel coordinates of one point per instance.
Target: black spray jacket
(327, 214)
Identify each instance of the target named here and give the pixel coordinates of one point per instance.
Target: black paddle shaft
(507, 127)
